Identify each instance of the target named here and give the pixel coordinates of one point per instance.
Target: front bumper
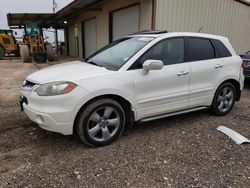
(53, 113)
(47, 122)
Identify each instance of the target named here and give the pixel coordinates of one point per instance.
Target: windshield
(116, 54)
(32, 29)
(7, 32)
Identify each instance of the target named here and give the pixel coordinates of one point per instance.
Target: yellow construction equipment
(8, 44)
(33, 45)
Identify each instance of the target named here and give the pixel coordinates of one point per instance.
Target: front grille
(27, 85)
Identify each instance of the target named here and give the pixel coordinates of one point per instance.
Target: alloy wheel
(225, 99)
(103, 124)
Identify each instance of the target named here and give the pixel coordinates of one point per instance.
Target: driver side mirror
(152, 65)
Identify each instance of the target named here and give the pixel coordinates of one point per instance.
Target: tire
(17, 52)
(40, 57)
(2, 53)
(25, 53)
(224, 99)
(94, 125)
(50, 53)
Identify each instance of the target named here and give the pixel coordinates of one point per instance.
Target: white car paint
(152, 98)
(145, 91)
(72, 71)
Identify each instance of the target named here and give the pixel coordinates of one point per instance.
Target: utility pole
(55, 31)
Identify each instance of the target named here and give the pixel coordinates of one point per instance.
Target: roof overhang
(78, 7)
(18, 20)
(69, 12)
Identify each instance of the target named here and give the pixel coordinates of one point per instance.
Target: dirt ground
(181, 151)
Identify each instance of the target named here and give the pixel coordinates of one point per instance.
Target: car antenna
(200, 29)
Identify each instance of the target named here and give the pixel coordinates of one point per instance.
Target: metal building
(91, 24)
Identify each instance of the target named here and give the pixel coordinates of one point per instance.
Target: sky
(29, 6)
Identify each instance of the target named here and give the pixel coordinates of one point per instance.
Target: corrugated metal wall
(102, 19)
(223, 17)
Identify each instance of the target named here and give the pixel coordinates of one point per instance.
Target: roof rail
(146, 32)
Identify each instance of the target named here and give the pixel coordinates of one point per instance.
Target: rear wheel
(40, 57)
(101, 122)
(224, 99)
(1, 52)
(25, 53)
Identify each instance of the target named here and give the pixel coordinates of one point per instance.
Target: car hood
(71, 71)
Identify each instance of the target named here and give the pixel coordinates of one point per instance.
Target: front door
(166, 90)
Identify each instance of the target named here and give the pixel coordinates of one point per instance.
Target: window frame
(134, 66)
(211, 42)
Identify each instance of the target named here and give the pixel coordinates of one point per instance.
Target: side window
(221, 50)
(6, 41)
(200, 49)
(169, 51)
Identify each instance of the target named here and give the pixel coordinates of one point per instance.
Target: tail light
(246, 64)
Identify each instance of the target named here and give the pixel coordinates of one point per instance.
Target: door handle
(218, 66)
(182, 73)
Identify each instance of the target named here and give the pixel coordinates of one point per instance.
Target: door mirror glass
(152, 65)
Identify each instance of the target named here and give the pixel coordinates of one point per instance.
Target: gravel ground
(181, 151)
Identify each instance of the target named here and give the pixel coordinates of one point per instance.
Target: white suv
(140, 77)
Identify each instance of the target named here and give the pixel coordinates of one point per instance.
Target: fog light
(39, 119)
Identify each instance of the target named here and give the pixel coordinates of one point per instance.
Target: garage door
(125, 21)
(89, 36)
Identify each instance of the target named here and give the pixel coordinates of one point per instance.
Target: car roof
(176, 34)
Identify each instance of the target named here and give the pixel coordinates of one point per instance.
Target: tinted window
(200, 49)
(221, 50)
(6, 41)
(170, 51)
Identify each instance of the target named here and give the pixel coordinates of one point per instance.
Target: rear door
(207, 71)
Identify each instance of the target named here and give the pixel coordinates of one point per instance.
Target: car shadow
(247, 84)
(139, 128)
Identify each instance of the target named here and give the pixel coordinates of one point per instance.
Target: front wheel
(224, 99)
(1, 53)
(101, 122)
(25, 53)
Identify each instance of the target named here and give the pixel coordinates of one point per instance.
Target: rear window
(200, 49)
(221, 49)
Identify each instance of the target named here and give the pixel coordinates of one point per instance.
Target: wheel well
(123, 102)
(237, 87)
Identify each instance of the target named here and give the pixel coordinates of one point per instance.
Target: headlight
(246, 64)
(55, 88)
